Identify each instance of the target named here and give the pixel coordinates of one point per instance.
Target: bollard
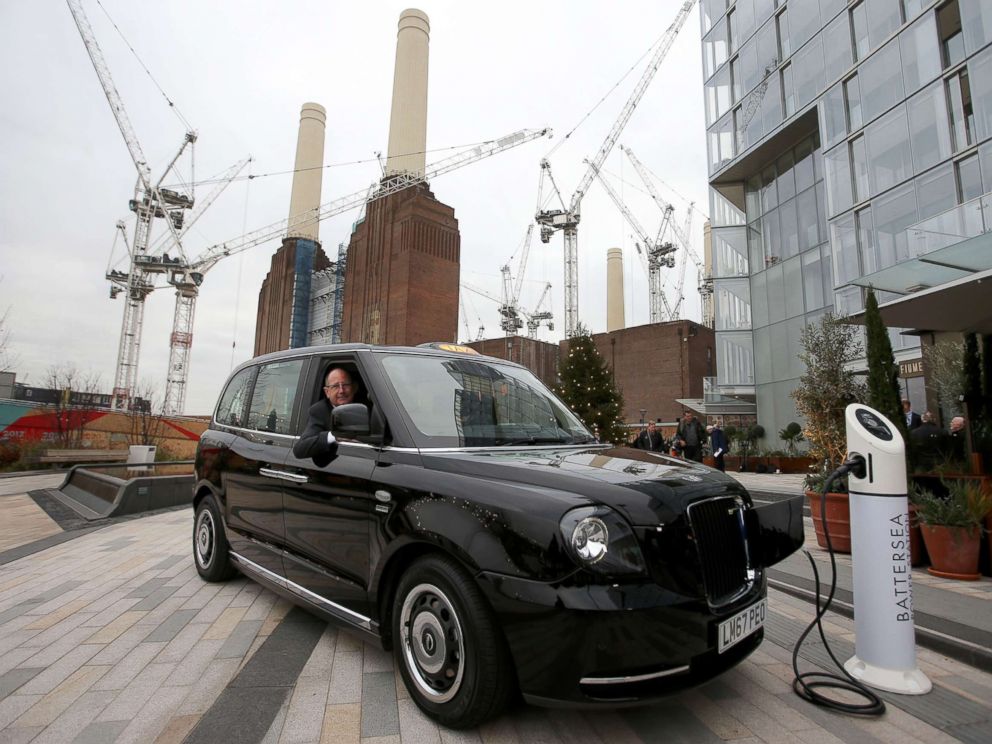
(885, 637)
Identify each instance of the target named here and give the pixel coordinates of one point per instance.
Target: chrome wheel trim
(204, 538)
(433, 644)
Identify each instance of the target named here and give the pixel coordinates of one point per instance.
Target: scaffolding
(327, 302)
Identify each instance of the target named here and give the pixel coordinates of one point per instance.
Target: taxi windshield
(474, 403)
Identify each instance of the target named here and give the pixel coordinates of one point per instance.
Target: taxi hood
(646, 487)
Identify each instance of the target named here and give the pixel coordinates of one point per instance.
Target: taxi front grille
(718, 529)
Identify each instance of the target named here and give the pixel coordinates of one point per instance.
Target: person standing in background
(718, 444)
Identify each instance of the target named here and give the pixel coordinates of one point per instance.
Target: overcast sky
(239, 73)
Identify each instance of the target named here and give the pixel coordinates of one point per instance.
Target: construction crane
(754, 101)
(187, 277)
(536, 318)
(150, 201)
(480, 334)
(655, 255)
(705, 284)
(533, 320)
(567, 218)
(509, 310)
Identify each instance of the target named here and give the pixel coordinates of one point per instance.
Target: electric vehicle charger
(807, 684)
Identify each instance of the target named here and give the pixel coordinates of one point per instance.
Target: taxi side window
(231, 409)
(272, 399)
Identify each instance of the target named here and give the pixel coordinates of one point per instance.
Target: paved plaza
(111, 636)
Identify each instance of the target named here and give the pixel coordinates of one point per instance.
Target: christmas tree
(588, 388)
(883, 373)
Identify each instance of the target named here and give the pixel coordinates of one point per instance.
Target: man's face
(651, 427)
(339, 388)
(687, 417)
(905, 406)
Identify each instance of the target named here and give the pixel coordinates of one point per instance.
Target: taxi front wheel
(210, 548)
(448, 646)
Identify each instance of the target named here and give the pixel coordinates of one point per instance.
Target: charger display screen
(873, 424)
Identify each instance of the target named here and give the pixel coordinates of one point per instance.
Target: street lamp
(643, 413)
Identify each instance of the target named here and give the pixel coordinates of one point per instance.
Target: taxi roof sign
(455, 348)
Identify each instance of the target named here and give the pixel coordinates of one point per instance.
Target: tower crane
(187, 277)
(705, 280)
(509, 310)
(150, 201)
(536, 318)
(655, 255)
(567, 218)
(480, 334)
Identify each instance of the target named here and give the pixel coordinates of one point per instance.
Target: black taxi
(469, 522)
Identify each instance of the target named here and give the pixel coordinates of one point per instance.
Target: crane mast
(654, 257)
(705, 280)
(150, 201)
(567, 219)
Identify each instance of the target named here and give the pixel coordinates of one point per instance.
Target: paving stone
(306, 712)
(205, 689)
(169, 561)
(279, 660)
(16, 611)
(60, 671)
(240, 640)
(379, 712)
(58, 633)
(56, 616)
(225, 623)
(322, 659)
(376, 660)
(19, 735)
(121, 646)
(13, 706)
(342, 724)
(52, 705)
(77, 717)
(416, 728)
(13, 679)
(100, 732)
(237, 717)
(148, 587)
(122, 673)
(346, 678)
(176, 729)
(171, 626)
(149, 722)
(113, 629)
(13, 658)
(132, 699)
(192, 666)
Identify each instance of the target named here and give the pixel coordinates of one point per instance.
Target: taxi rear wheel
(448, 646)
(210, 548)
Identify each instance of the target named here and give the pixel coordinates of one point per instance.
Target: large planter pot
(953, 551)
(838, 520)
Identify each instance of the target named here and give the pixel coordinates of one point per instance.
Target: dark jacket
(928, 443)
(646, 441)
(684, 428)
(913, 420)
(313, 443)
(718, 441)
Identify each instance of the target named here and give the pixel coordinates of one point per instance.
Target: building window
(884, 17)
(784, 42)
(969, 179)
(920, 54)
(735, 80)
(788, 92)
(929, 131)
(852, 103)
(881, 81)
(961, 110)
(866, 241)
(949, 32)
(891, 161)
(859, 30)
(837, 48)
(859, 169)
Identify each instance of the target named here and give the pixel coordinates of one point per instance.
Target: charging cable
(807, 684)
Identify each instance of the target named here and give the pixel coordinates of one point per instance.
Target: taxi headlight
(599, 539)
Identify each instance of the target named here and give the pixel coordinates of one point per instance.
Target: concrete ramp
(101, 492)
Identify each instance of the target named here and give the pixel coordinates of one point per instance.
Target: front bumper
(612, 645)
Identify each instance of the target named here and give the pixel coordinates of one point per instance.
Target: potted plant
(825, 389)
(952, 527)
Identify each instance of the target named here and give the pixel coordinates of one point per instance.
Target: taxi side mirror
(350, 420)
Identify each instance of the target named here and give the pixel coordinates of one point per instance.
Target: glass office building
(845, 139)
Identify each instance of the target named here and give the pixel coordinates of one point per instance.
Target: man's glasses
(339, 386)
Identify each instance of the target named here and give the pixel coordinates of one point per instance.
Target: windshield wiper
(531, 440)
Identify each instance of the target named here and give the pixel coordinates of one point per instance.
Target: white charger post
(885, 637)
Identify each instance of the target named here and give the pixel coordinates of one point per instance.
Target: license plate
(741, 625)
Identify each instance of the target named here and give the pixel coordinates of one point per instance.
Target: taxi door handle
(283, 475)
